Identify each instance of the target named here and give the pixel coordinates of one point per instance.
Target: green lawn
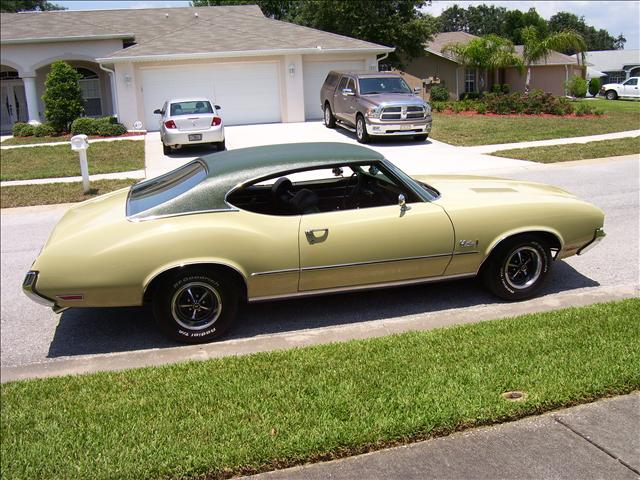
(61, 161)
(454, 129)
(574, 151)
(32, 140)
(52, 193)
(246, 414)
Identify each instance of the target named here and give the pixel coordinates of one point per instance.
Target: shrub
(481, 108)
(594, 86)
(506, 88)
(583, 109)
(439, 93)
(456, 107)
(62, 96)
(438, 106)
(577, 86)
(21, 129)
(496, 88)
(599, 112)
(469, 96)
(111, 129)
(86, 126)
(44, 130)
(109, 119)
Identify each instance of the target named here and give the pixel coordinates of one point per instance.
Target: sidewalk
(137, 174)
(597, 440)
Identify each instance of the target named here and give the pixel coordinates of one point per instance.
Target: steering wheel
(349, 199)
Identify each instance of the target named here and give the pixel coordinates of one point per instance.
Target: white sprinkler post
(80, 143)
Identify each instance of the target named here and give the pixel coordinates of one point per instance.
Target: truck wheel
(196, 305)
(611, 95)
(329, 119)
(517, 268)
(361, 130)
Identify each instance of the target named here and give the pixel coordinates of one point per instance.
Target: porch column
(32, 99)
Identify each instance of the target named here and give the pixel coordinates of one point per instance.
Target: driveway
(33, 334)
(411, 156)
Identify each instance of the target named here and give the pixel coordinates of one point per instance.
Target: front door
(631, 88)
(8, 113)
(375, 245)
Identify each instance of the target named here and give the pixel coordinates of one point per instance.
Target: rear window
(147, 195)
(189, 108)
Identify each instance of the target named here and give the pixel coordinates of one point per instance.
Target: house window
(6, 75)
(616, 77)
(90, 88)
(470, 80)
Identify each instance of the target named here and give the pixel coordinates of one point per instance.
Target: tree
(485, 20)
(538, 46)
(278, 9)
(62, 96)
(594, 39)
(515, 21)
(490, 53)
(454, 19)
(12, 6)
(619, 42)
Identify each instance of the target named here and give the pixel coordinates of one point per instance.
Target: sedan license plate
(194, 137)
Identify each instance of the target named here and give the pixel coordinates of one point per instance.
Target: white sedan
(628, 88)
(189, 122)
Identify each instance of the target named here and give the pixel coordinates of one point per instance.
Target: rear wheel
(329, 119)
(517, 268)
(361, 130)
(166, 149)
(196, 306)
(611, 95)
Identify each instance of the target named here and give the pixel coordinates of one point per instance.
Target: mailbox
(79, 142)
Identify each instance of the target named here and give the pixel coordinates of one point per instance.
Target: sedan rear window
(147, 195)
(189, 108)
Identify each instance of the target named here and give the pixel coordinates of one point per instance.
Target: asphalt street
(33, 334)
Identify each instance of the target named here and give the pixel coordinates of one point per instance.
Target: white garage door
(247, 92)
(314, 75)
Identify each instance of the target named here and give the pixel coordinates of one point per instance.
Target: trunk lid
(189, 123)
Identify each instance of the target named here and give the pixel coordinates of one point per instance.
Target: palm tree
(489, 52)
(537, 46)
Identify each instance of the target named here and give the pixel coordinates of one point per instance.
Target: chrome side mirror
(417, 90)
(402, 202)
(347, 92)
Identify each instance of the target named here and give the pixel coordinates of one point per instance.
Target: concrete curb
(279, 341)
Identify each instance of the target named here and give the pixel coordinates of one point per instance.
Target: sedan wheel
(517, 268)
(195, 306)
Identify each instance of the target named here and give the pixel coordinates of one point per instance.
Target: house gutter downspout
(378, 60)
(114, 93)
(566, 78)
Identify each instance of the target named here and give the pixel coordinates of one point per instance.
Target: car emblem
(468, 243)
(403, 113)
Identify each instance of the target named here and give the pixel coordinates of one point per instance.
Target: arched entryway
(13, 103)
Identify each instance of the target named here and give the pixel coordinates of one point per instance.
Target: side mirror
(157, 111)
(347, 92)
(417, 90)
(402, 202)
(218, 107)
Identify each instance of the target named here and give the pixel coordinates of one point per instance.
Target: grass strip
(574, 151)
(247, 414)
(620, 115)
(52, 193)
(60, 161)
(33, 139)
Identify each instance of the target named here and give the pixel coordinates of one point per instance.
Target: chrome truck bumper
(405, 127)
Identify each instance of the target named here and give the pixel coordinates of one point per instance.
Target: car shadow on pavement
(382, 142)
(108, 330)
(189, 151)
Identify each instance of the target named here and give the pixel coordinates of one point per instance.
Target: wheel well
(547, 237)
(223, 269)
(611, 90)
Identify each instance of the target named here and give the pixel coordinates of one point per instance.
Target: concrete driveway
(413, 157)
(32, 334)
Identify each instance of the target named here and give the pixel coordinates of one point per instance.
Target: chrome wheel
(196, 305)
(523, 267)
(360, 129)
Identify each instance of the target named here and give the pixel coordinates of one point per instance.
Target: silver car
(190, 121)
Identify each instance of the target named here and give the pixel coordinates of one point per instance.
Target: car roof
(232, 168)
(189, 99)
(366, 73)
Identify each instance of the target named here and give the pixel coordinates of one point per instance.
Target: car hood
(469, 189)
(393, 99)
(610, 85)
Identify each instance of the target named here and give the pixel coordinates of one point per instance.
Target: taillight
(170, 124)
(216, 121)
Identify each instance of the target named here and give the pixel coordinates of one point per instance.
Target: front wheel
(611, 95)
(517, 268)
(361, 130)
(196, 306)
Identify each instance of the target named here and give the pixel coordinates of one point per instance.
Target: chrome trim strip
(597, 238)
(373, 262)
(182, 214)
(470, 252)
(29, 289)
(370, 286)
(272, 272)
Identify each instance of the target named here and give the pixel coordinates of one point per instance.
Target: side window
(631, 81)
(323, 190)
(351, 85)
(343, 83)
(332, 79)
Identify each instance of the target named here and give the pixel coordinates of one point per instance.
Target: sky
(615, 16)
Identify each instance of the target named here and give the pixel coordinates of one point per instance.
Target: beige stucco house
(258, 69)
(548, 74)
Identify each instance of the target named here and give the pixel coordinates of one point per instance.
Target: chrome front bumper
(597, 238)
(406, 127)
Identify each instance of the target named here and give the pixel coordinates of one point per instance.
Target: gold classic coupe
(280, 221)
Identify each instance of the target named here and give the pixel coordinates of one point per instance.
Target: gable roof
(613, 60)
(168, 33)
(443, 39)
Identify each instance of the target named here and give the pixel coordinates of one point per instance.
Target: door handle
(313, 237)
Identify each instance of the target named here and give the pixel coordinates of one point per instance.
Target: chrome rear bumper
(597, 238)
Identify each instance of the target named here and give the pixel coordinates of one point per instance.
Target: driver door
(375, 245)
(631, 88)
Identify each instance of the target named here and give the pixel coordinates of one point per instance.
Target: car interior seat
(302, 202)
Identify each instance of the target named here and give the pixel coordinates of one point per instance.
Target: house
(614, 65)
(548, 74)
(256, 68)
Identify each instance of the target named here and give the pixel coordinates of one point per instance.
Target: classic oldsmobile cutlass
(287, 220)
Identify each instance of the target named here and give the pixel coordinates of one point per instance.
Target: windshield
(154, 192)
(425, 191)
(189, 108)
(383, 85)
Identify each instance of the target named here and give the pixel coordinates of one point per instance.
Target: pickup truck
(374, 104)
(628, 88)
